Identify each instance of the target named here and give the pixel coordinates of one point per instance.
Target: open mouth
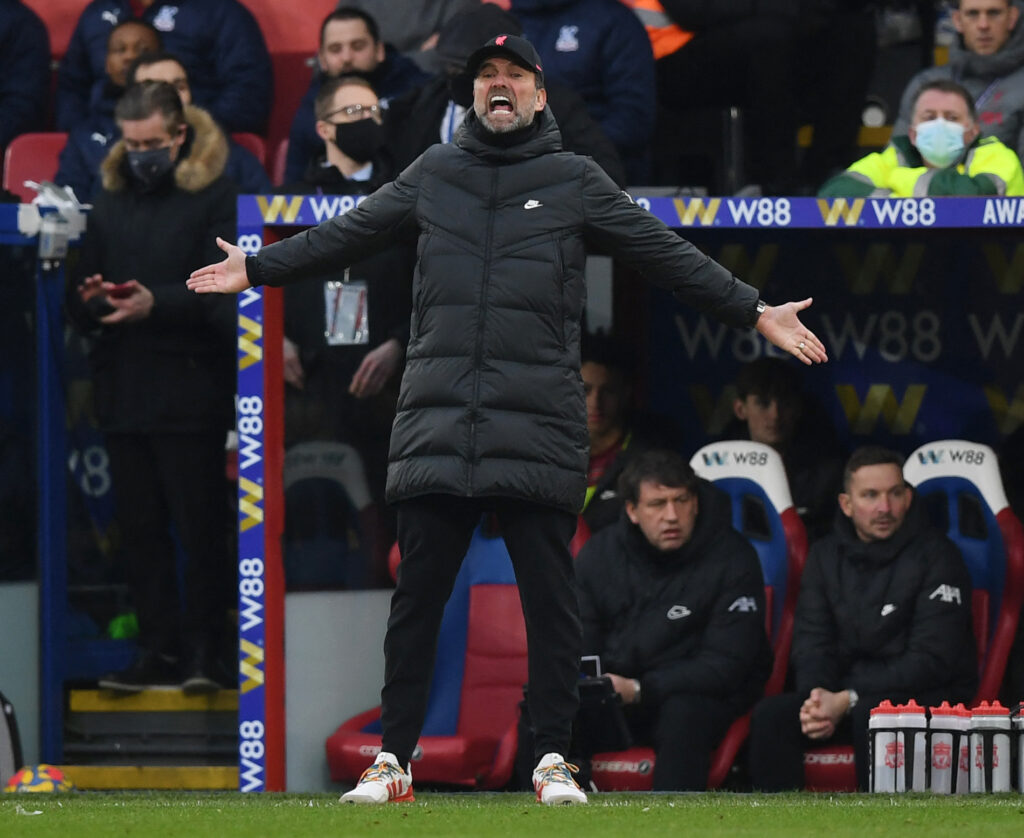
(499, 103)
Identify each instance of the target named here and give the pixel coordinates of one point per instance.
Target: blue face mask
(940, 142)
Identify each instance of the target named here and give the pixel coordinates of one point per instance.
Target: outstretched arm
(626, 231)
(782, 326)
(226, 277)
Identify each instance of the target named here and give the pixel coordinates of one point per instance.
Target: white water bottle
(990, 747)
(886, 755)
(914, 729)
(945, 747)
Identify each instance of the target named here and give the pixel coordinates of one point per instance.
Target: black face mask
(460, 88)
(150, 167)
(359, 140)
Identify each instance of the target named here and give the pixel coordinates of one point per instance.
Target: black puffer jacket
(688, 621)
(492, 400)
(174, 371)
(889, 616)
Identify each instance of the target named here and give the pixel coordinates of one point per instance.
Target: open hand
(227, 277)
(782, 326)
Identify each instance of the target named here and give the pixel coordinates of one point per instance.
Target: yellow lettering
(279, 207)
(832, 213)
(881, 402)
(249, 503)
(691, 209)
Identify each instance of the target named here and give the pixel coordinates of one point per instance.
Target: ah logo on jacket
(164, 20)
(889, 607)
(948, 593)
(677, 612)
(111, 16)
(744, 604)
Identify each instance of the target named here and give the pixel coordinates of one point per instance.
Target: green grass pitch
(612, 815)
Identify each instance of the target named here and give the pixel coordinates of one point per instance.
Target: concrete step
(163, 699)
(154, 728)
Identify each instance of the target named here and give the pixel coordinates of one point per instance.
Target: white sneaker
(383, 782)
(554, 784)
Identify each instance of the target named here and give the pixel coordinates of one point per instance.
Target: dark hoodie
(885, 616)
(690, 620)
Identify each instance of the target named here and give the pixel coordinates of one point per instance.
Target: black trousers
(434, 532)
(683, 730)
(174, 481)
(777, 744)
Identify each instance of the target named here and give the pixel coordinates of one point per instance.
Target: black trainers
(203, 674)
(149, 669)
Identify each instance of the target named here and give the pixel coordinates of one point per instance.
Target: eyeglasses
(354, 112)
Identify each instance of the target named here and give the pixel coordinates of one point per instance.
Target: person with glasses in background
(342, 379)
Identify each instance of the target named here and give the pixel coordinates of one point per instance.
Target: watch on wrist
(761, 306)
(854, 698)
(636, 690)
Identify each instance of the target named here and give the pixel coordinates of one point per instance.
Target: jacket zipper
(482, 315)
(559, 278)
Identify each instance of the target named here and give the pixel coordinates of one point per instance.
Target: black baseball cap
(515, 49)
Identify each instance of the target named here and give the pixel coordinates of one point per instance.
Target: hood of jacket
(964, 62)
(201, 161)
(884, 551)
(540, 137)
(466, 31)
(714, 512)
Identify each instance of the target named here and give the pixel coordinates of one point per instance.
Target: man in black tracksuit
(884, 613)
(672, 600)
(491, 413)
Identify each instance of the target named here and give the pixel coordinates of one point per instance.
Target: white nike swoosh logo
(532, 204)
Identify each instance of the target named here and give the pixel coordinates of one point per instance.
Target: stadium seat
(754, 477)
(331, 521)
(469, 734)
(292, 74)
(279, 162)
(60, 17)
(253, 143)
(960, 484)
(32, 157)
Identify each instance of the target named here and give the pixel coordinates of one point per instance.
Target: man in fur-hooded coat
(162, 364)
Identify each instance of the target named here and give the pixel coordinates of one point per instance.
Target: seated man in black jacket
(884, 613)
(672, 600)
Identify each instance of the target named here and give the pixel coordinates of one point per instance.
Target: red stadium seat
(469, 734)
(762, 510)
(253, 143)
(960, 483)
(31, 157)
(279, 161)
(60, 17)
